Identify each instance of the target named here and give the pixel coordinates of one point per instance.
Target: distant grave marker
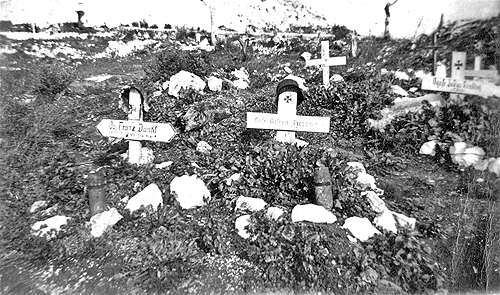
(134, 129)
(286, 120)
(326, 61)
(457, 84)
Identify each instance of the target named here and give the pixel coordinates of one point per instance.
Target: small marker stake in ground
(326, 61)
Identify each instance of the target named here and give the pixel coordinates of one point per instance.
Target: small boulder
(313, 213)
(241, 84)
(404, 221)
(214, 83)
(306, 56)
(361, 228)
(366, 179)
(464, 156)
(240, 224)
(401, 75)
(234, 177)
(494, 166)
(163, 165)
(386, 221)
(377, 204)
(50, 226)
(103, 221)
(357, 166)
(398, 90)
(38, 205)
(190, 191)
(203, 147)
(428, 148)
(185, 80)
(151, 195)
(336, 78)
(252, 204)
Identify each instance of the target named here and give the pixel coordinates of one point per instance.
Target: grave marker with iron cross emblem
(458, 61)
(326, 61)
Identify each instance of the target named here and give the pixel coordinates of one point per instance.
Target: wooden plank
(481, 73)
(332, 61)
(287, 106)
(481, 88)
(295, 123)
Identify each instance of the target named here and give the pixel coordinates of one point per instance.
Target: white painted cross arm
(331, 61)
(136, 130)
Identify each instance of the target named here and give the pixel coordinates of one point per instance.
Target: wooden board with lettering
(136, 130)
(471, 87)
(288, 123)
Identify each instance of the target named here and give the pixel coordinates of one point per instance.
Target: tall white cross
(326, 61)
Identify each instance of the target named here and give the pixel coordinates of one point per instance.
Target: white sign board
(481, 88)
(136, 130)
(288, 123)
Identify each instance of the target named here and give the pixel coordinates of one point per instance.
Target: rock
(384, 71)
(99, 78)
(312, 213)
(288, 70)
(306, 56)
(404, 221)
(252, 204)
(163, 165)
(357, 166)
(428, 148)
(377, 204)
(103, 221)
(386, 221)
(336, 78)
(241, 84)
(203, 147)
(49, 227)
(214, 83)
(38, 205)
(190, 191)
(185, 80)
(401, 75)
(466, 156)
(241, 74)
(151, 195)
(494, 166)
(483, 165)
(240, 224)
(300, 143)
(398, 90)
(234, 177)
(157, 93)
(413, 89)
(366, 179)
(274, 213)
(361, 228)
(51, 210)
(204, 112)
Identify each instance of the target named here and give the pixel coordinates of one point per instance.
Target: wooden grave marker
(326, 61)
(135, 129)
(457, 84)
(286, 121)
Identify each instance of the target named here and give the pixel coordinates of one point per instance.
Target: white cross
(326, 61)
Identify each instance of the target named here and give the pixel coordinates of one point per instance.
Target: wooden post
(458, 62)
(477, 65)
(326, 61)
(287, 106)
(135, 114)
(354, 45)
(212, 26)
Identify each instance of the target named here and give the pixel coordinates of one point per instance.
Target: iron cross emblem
(288, 98)
(459, 65)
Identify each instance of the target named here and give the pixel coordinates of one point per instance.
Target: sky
(365, 16)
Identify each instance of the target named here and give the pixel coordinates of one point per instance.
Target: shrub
(53, 79)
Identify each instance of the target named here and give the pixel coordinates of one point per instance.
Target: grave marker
(458, 84)
(286, 121)
(326, 61)
(134, 129)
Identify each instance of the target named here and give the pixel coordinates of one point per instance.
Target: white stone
(288, 70)
(494, 166)
(99, 78)
(312, 213)
(428, 148)
(165, 85)
(185, 80)
(163, 164)
(274, 213)
(413, 89)
(203, 147)
(398, 90)
(234, 177)
(357, 165)
(300, 142)
(300, 81)
(241, 84)
(384, 71)
(157, 93)
(49, 226)
(336, 78)
(306, 55)
(401, 75)
(464, 156)
(366, 179)
(37, 205)
(241, 74)
(240, 224)
(214, 83)
(101, 222)
(361, 228)
(404, 220)
(420, 74)
(248, 203)
(377, 204)
(386, 221)
(190, 191)
(150, 195)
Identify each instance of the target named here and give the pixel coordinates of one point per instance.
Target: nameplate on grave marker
(470, 87)
(288, 123)
(136, 130)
